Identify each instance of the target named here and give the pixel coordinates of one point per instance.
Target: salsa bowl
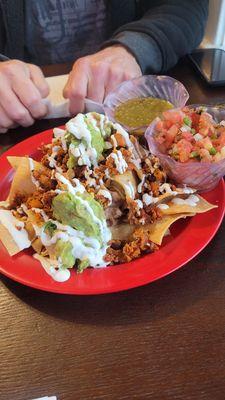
(155, 86)
(201, 175)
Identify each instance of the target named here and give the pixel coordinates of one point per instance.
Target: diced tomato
(171, 134)
(218, 157)
(220, 142)
(173, 116)
(184, 148)
(205, 156)
(205, 127)
(168, 124)
(159, 125)
(195, 120)
(207, 144)
(187, 135)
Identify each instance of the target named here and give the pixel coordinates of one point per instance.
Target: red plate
(188, 237)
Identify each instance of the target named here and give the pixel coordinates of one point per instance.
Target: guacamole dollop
(86, 139)
(81, 212)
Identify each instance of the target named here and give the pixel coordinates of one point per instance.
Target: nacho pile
(96, 198)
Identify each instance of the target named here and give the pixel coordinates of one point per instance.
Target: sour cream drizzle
(148, 199)
(190, 201)
(73, 190)
(162, 206)
(102, 121)
(129, 190)
(114, 141)
(139, 188)
(105, 193)
(166, 187)
(125, 135)
(52, 268)
(139, 203)
(187, 190)
(35, 182)
(120, 163)
(51, 159)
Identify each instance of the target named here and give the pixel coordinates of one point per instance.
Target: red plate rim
(189, 238)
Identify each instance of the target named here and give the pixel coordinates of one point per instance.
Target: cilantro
(187, 121)
(50, 228)
(212, 151)
(194, 154)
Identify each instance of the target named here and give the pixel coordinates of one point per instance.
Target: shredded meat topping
(124, 252)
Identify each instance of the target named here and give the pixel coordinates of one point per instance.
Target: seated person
(110, 41)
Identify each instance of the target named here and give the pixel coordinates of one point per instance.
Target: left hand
(96, 75)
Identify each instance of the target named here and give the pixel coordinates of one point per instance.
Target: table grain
(162, 341)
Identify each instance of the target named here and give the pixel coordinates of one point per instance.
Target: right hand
(22, 88)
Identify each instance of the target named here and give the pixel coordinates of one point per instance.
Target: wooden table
(163, 341)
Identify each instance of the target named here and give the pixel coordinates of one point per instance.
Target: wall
(215, 29)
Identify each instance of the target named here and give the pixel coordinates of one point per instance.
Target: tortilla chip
(12, 235)
(125, 184)
(30, 231)
(158, 229)
(22, 182)
(15, 162)
(201, 206)
(165, 197)
(4, 204)
(34, 223)
(51, 267)
(37, 245)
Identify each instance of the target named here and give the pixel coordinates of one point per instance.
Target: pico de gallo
(190, 135)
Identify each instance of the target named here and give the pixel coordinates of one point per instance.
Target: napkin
(58, 107)
(46, 398)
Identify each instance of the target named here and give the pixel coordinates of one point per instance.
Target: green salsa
(139, 112)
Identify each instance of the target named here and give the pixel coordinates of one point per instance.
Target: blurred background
(215, 29)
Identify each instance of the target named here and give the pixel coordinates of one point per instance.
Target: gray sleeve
(144, 49)
(4, 58)
(167, 31)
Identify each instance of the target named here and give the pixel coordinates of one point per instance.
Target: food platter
(187, 239)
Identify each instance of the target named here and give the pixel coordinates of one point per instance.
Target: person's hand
(22, 88)
(96, 75)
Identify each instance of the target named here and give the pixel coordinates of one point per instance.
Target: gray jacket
(157, 32)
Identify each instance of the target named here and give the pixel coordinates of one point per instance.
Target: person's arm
(166, 32)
